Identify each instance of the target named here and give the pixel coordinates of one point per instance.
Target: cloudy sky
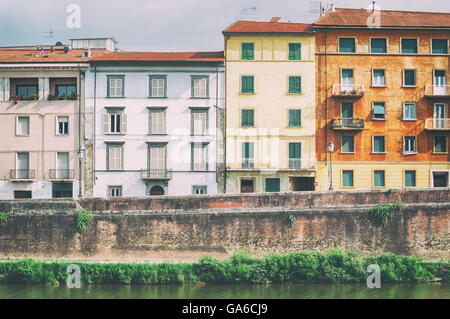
(162, 25)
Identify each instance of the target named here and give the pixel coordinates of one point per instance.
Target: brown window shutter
(105, 123)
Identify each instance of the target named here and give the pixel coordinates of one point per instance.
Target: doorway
(440, 179)
(301, 184)
(156, 191)
(247, 186)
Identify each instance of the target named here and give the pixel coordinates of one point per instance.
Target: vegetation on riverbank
(304, 266)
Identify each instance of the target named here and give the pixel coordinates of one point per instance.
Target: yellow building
(270, 107)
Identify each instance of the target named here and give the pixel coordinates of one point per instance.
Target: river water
(264, 291)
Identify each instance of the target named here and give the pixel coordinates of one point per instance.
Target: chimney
(66, 50)
(275, 19)
(373, 5)
(332, 8)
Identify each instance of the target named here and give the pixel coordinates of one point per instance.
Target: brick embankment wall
(185, 228)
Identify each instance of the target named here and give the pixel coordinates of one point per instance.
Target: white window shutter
(105, 123)
(124, 123)
(56, 125)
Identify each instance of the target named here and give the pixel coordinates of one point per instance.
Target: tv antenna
(248, 13)
(49, 34)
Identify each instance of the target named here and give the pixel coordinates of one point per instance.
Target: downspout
(94, 130)
(225, 119)
(326, 100)
(80, 153)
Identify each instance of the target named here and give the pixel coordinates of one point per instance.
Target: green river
(263, 291)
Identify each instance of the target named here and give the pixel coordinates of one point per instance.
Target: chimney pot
(275, 19)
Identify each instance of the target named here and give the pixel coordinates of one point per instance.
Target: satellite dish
(59, 43)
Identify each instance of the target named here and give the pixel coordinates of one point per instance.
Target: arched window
(156, 190)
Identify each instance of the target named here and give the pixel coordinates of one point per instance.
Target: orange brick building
(382, 99)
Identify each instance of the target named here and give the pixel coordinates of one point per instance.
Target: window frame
(152, 77)
(253, 117)
(200, 187)
(415, 114)
(28, 86)
(111, 187)
(289, 51)
(405, 152)
(373, 144)
(404, 177)
(251, 163)
(65, 85)
(342, 178)
(373, 111)
(407, 38)
(384, 178)
(152, 110)
(242, 50)
(384, 78)
(204, 147)
(17, 126)
(431, 46)
(403, 78)
(295, 158)
(339, 45)
(199, 77)
(289, 84)
(342, 144)
(242, 84)
(378, 38)
(115, 77)
(199, 110)
(110, 145)
(434, 145)
(58, 122)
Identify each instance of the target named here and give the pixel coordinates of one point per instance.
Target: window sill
(157, 134)
(22, 135)
(109, 133)
(61, 135)
(409, 86)
(409, 153)
(294, 93)
(439, 153)
(409, 120)
(378, 187)
(247, 126)
(378, 153)
(378, 86)
(199, 97)
(348, 187)
(379, 120)
(157, 97)
(242, 93)
(114, 97)
(347, 153)
(294, 127)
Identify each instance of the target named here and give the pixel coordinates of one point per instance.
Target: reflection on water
(267, 291)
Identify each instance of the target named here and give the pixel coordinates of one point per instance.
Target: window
(114, 191)
(272, 185)
(295, 150)
(158, 86)
(295, 84)
(409, 145)
(378, 179)
(409, 46)
(409, 77)
(410, 178)
(248, 51)
(62, 165)
(22, 194)
(247, 84)
(199, 87)
(114, 157)
(379, 111)
(116, 86)
(409, 111)
(62, 125)
(157, 121)
(199, 190)
(439, 46)
(295, 51)
(23, 126)
(156, 163)
(247, 155)
(378, 78)
(378, 45)
(348, 144)
(378, 144)
(66, 92)
(295, 118)
(347, 45)
(23, 165)
(347, 178)
(62, 190)
(247, 118)
(440, 144)
(25, 91)
(114, 121)
(199, 161)
(199, 122)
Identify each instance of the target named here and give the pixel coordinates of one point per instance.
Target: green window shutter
(347, 45)
(250, 85)
(295, 118)
(439, 46)
(295, 84)
(294, 150)
(247, 84)
(272, 185)
(410, 77)
(409, 45)
(378, 178)
(244, 84)
(294, 51)
(410, 178)
(378, 144)
(379, 110)
(378, 46)
(247, 51)
(347, 178)
(348, 144)
(250, 118)
(244, 118)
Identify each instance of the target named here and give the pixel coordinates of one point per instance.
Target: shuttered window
(378, 144)
(157, 122)
(199, 87)
(295, 118)
(378, 45)
(23, 126)
(272, 185)
(114, 157)
(347, 45)
(247, 118)
(199, 123)
(295, 84)
(347, 178)
(158, 86)
(378, 179)
(199, 160)
(115, 121)
(294, 155)
(247, 84)
(348, 144)
(439, 46)
(409, 77)
(248, 51)
(379, 112)
(409, 46)
(410, 178)
(294, 51)
(247, 155)
(115, 86)
(157, 159)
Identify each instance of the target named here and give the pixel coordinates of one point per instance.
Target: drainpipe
(225, 119)
(80, 146)
(94, 130)
(326, 100)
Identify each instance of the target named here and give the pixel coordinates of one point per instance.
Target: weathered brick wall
(208, 224)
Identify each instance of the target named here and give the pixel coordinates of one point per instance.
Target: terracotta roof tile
(162, 56)
(388, 18)
(268, 27)
(35, 56)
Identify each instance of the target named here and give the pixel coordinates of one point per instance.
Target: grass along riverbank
(303, 266)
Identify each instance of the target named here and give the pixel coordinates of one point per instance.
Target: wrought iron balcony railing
(22, 174)
(437, 124)
(348, 124)
(156, 174)
(348, 90)
(62, 174)
(295, 163)
(437, 90)
(248, 163)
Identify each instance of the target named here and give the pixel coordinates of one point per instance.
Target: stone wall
(184, 228)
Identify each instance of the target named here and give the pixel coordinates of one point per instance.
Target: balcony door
(62, 169)
(439, 115)
(439, 82)
(22, 165)
(347, 114)
(347, 80)
(157, 161)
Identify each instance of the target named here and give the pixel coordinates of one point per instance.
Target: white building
(151, 123)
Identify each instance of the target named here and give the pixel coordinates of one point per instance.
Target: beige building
(41, 148)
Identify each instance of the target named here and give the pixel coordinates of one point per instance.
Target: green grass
(304, 266)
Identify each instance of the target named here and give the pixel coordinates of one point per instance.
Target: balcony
(22, 175)
(348, 90)
(295, 163)
(437, 124)
(248, 163)
(62, 174)
(156, 174)
(347, 124)
(437, 91)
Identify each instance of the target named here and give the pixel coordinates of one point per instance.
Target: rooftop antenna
(248, 13)
(49, 34)
(315, 7)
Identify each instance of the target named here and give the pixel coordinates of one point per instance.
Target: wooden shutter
(106, 123)
(124, 123)
(244, 84)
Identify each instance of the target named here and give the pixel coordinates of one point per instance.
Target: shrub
(291, 221)
(83, 218)
(3, 217)
(380, 214)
